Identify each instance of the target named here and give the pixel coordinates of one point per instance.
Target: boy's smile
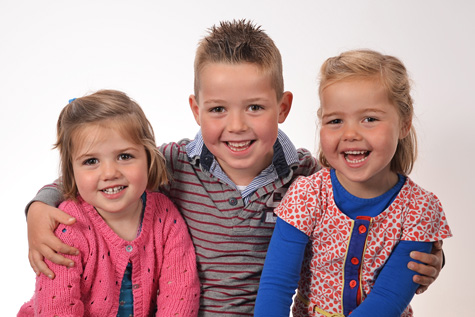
(239, 113)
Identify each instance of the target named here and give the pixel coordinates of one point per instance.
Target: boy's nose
(236, 123)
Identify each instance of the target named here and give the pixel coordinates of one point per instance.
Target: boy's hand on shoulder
(42, 220)
(430, 267)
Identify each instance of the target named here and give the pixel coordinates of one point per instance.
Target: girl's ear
(405, 129)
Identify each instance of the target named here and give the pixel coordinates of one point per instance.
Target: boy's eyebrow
(222, 101)
(213, 101)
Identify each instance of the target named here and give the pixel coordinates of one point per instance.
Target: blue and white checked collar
(285, 155)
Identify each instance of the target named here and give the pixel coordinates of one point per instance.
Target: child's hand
(42, 221)
(430, 270)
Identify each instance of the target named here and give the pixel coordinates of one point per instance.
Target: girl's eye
(335, 121)
(370, 119)
(125, 156)
(255, 107)
(217, 109)
(90, 161)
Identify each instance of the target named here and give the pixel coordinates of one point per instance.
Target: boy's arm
(281, 271)
(42, 219)
(394, 287)
(429, 269)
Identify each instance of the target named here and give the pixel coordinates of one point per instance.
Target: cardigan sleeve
(62, 295)
(179, 286)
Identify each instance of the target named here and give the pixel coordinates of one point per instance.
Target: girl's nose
(110, 171)
(351, 133)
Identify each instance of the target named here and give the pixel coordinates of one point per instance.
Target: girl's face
(111, 172)
(360, 130)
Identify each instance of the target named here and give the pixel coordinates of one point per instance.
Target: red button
(355, 261)
(362, 229)
(352, 283)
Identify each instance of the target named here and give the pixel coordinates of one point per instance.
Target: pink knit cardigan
(164, 274)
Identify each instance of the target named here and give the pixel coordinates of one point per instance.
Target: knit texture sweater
(164, 275)
(230, 234)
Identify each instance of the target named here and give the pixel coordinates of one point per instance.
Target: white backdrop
(51, 51)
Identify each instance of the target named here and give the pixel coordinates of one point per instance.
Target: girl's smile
(110, 171)
(360, 131)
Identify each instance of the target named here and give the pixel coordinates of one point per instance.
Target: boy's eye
(90, 161)
(217, 109)
(255, 107)
(125, 156)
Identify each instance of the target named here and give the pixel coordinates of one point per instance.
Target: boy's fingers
(55, 245)
(427, 272)
(432, 263)
(51, 248)
(38, 265)
(437, 245)
(424, 281)
(62, 217)
(60, 260)
(421, 289)
(32, 262)
(67, 249)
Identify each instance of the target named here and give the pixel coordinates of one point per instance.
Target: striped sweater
(230, 236)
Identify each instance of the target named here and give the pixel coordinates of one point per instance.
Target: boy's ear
(285, 105)
(194, 108)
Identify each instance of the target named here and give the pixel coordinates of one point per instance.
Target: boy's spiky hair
(240, 41)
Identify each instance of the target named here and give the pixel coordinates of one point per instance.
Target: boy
(227, 180)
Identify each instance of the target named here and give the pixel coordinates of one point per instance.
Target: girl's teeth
(355, 160)
(355, 152)
(113, 190)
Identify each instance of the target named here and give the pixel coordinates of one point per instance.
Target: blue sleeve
(394, 288)
(281, 271)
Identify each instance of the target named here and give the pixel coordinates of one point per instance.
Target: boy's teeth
(113, 190)
(239, 146)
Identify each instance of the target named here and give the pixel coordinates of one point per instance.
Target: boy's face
(239, 113)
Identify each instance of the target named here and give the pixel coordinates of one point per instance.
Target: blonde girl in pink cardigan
(135, 254)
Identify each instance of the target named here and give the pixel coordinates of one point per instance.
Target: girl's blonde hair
(106, 108)
(392, 74)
